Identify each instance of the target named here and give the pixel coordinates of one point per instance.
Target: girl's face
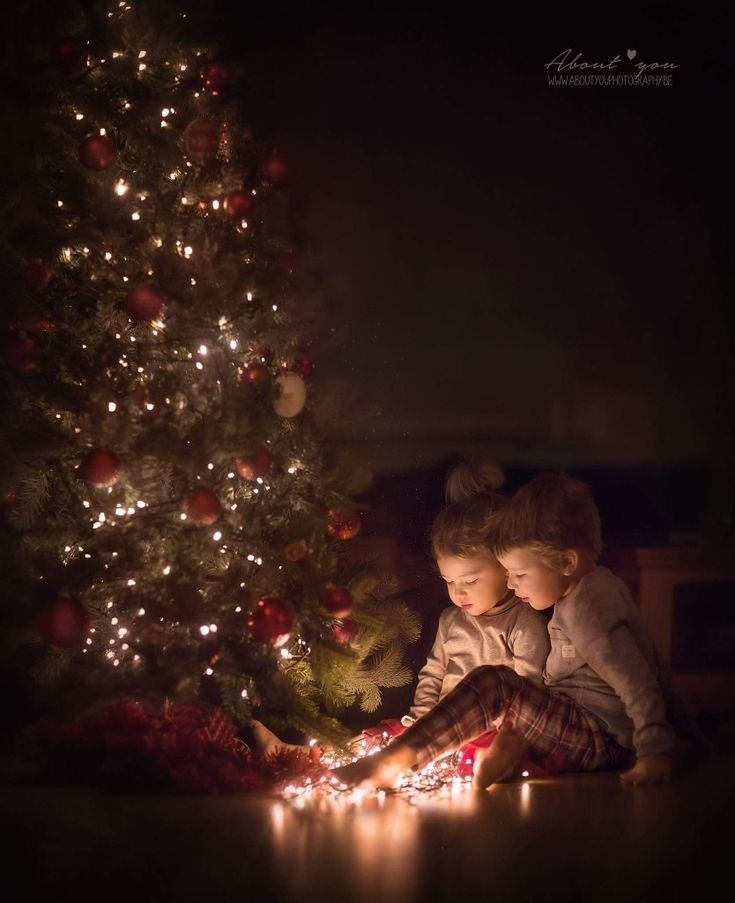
(474, 584)
(532, 580)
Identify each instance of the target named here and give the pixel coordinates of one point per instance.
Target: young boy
(604, 700)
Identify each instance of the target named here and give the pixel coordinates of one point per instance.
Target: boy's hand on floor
(648, 770)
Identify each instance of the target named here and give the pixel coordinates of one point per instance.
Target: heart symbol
(630, 54)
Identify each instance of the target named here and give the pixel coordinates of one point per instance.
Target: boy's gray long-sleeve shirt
(511, 634)
(603, 658)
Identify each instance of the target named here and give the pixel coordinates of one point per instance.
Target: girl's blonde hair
(461, 529)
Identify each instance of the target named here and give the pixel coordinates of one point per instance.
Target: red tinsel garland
(126, 746)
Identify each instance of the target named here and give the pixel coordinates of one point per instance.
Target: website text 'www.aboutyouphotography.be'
(570, 69)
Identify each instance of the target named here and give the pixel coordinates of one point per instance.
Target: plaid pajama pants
(561, 735)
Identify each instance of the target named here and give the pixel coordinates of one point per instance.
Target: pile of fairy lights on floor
(445, 776)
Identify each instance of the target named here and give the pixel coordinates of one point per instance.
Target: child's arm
(529, 644)
(603, 637)
(431, 676)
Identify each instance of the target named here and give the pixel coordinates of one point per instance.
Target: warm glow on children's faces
(532, 580)
(474, 584)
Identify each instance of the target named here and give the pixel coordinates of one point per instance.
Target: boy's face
(474, 584)
(532, 580)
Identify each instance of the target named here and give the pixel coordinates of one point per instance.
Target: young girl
(487, 624)
(604, 700)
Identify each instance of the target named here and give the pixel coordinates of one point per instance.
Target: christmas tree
(179, 523)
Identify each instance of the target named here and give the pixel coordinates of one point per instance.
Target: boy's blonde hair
(549, 514)
(461, 529)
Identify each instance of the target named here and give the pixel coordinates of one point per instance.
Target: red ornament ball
(274, 170)
(338, 601)
(344, 631)
(36, 275)
(201, 506)
(201, 140)
(253, 374)
(41, 326)
(270, 621)
(238, 204)
(250, 467)
(63, 622)
(301, 364)
(10, 498)
(70, 56)
(143, 303)
(296, 551)
(97, 152)
(343, 524)
(215, 77)
(100, 468)
(21, 353)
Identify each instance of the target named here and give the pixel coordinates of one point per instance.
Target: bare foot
(381, 770)
(498, 761)
(268, 743)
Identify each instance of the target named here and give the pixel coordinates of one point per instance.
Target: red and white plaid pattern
(561, 735)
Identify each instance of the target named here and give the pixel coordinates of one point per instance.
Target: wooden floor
(569, 838)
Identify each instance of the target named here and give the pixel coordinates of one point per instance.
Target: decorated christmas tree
(179, 526)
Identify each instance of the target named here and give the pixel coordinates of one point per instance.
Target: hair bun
(468, 479)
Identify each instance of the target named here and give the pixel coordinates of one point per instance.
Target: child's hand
(648, 770)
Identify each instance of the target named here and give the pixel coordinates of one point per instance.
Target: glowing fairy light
(183, 516)
(140, 503)
(135, 216)
(120, 511)
(275, 307)
(60, 204)
(131, 510)
(141, 612)
(244, 694)
(204, 630)
(202, 349)
(111, 407)
(108, 256)
(215, 205)
(165, 112)
(131, 582)
(249, 296)
(199, 365)
(103, 132)
(209, 672)
(121, 187)
(217, 536)
(172, 176)
(79, 117)
(167, 570)
(86, 505)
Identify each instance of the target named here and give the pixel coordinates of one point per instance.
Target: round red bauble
(250, 467)
(296, 551)
(215, 77)
(36, 275)
(254, 373)
(201, 140)
(63, 622)
(70, 56)
(344, 631)
(301, 364)
(274, 170)
(10, 498)
(41, 326)
(97, 152)
(201, 506)
(238, 204)
(21, 353)
(270, 621)
(343, 524)
(100, 468)
(338, 601)
(143, 303)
